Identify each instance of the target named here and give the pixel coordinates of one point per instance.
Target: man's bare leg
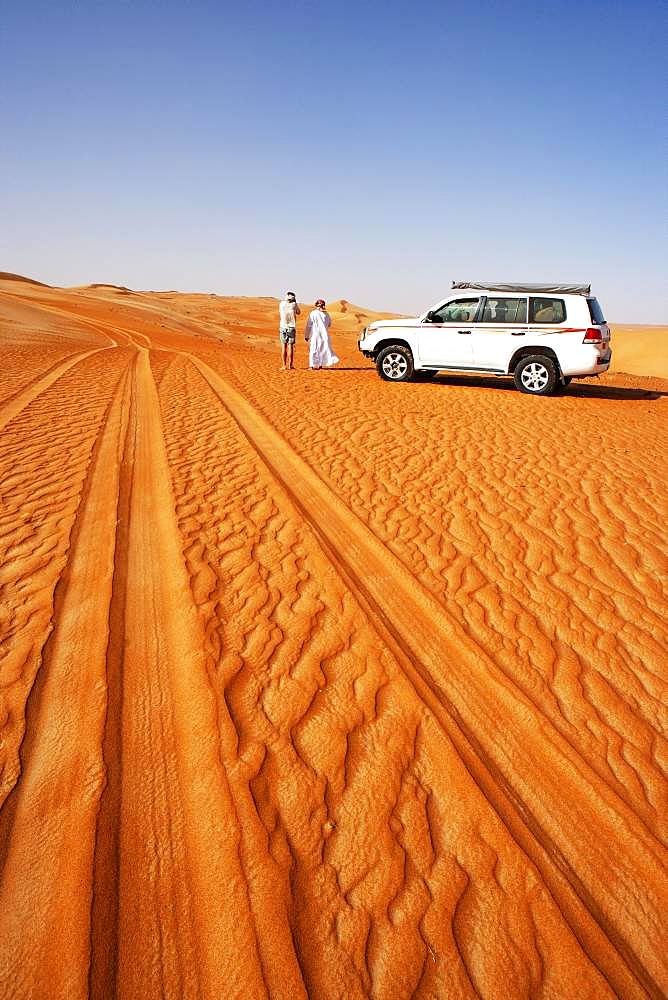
(291, 356)
(284, 356)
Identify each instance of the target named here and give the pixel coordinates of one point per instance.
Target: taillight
(592, 336)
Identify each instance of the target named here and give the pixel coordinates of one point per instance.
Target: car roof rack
(540, 286)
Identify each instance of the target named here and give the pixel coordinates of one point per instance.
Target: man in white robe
(316, 333)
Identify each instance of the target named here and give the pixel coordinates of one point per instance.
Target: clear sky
(366, 150)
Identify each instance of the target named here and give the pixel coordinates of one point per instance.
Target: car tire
(536, 375)
(395, 363)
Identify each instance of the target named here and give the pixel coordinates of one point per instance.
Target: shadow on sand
(581, 391)
(611, 392)
(507, 385)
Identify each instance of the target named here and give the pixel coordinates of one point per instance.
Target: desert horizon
(636, 349)
(315, 685)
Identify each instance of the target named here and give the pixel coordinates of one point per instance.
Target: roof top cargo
(500, 286)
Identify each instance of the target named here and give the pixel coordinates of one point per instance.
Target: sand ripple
(315, 686)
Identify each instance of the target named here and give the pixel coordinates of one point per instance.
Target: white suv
(542, 335)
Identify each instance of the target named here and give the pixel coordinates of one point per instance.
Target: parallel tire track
(357, 814)
(22, 399)
(45, 456)
(180, 902)
(169, 896)
(44, 952)
(546, 545)
(579, 816)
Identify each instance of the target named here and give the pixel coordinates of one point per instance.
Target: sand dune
(640, 350)
(314, 686)
(8, 276)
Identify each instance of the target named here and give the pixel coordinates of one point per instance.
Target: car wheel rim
(535, 377)
(395, 365)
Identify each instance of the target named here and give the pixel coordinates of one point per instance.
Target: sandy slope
(316, 686)
(640, 350)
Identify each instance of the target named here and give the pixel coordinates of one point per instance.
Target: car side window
(459, 311)
(505, 311)
(546, 310)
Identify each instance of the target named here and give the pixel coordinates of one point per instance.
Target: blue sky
(372, 151)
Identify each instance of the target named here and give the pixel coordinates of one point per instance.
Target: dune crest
(115, 288)
(8, 276)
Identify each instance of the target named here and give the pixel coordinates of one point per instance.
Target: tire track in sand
(13, 406)
(45, 894)
(45, 455)
(180, 902)
(503, 519)
(148, 905)
(364, 838)
(572, 814)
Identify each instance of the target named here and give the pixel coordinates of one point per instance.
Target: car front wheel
(395, 363)
(536, 375)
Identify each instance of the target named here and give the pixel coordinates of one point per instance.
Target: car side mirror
(429, 318)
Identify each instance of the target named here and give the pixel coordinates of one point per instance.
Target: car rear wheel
(395, 363)
(536, 375)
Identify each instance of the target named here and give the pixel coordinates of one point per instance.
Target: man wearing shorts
(288, 311)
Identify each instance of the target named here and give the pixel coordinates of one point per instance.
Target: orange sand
(315, 686)
(640, 350)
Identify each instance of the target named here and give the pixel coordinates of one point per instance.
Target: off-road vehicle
(542, 335)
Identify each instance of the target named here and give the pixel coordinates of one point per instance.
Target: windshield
(595, 311)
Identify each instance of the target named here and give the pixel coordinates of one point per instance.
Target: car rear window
(595, 311)
(542, 310)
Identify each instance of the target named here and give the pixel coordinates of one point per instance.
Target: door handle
(464, 333)
(518, 333)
